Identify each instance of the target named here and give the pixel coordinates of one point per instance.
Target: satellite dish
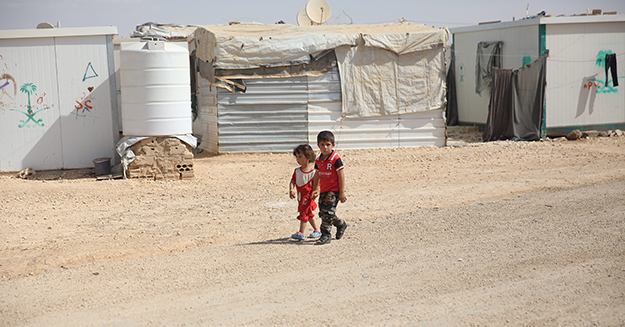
(44, 25)
(318, 11)
(303, 19)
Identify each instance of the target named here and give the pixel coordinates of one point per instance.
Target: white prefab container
(155, 88)
(577, 95)
(57, 98)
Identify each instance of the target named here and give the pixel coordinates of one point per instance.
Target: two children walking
(325, 180)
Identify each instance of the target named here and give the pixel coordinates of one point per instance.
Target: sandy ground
(474, 234)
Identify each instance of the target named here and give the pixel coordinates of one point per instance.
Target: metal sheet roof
(541, 21)
(57, 32)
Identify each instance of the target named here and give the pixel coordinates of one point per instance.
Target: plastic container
(102, 166)
(155, 88)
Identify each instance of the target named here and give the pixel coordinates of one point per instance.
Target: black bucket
(102, 166)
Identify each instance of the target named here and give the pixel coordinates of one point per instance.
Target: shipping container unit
(249, 101)
(58, 107)
(579, 94)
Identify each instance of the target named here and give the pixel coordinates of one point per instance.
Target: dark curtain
(451, 110)
(515, 111)
(500, 105)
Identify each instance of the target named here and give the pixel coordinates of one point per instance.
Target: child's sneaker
(315, 234)
(298, 236)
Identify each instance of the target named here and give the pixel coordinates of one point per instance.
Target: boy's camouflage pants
(327, 212)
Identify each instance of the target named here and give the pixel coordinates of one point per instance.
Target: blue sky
(127, 14)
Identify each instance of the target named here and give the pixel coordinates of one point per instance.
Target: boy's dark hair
(306, 150)
(325, 136)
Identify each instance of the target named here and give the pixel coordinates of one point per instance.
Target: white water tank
(155, 88)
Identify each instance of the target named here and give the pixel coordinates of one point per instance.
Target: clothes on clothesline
(610, 65)
(488, 56)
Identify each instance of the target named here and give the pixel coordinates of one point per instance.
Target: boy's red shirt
(328, 178)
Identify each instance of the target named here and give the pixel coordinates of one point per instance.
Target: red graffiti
(40, 99)
(84, 102)
(591, 84)
(83, 106)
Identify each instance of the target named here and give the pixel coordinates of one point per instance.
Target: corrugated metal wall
(72, 115)
(576, 93)
(275, 115)
(519, 42)
(271, 116)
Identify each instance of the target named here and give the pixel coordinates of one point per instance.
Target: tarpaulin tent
(385, 71)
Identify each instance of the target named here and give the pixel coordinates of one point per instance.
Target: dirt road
(496, 234)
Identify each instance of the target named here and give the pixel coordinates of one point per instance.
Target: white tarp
(385, 68)
(169, 31)
(376, 82)
(253, 45)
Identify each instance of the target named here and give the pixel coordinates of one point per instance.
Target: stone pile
(161, 158)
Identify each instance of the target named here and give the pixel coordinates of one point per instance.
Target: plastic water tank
(155, 88)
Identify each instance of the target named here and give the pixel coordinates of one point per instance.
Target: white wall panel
(45, 69)
(576, 93)
(85, 100)
(519, 42)
(29, 137)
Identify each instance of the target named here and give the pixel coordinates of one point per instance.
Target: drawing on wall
(526, 60)
(461, 74)
(89, 72)
(83, 104)
(29, 89)
(603, 85)
(8, 90)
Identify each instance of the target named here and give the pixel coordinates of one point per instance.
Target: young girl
(301, 186)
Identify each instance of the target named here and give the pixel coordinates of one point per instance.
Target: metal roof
(541, 21)
(58, 32)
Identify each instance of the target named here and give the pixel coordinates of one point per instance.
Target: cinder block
(161, 158)
(187, 175)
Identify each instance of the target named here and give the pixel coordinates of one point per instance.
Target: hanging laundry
(488, 56)
(610, 64)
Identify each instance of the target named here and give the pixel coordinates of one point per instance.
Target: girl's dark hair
(306, 150)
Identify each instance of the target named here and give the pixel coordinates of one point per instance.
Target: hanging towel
(610, 64)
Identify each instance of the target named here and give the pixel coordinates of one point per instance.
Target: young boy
(329, 185)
